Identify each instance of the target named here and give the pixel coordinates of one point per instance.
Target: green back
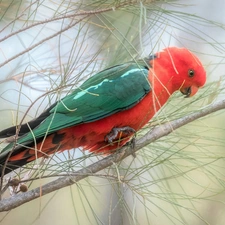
(109, 91)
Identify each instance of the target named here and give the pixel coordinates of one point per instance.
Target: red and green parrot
(107, 109)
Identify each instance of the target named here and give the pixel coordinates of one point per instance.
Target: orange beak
(189, 91)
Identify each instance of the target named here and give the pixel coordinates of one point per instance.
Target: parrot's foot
(113, 134)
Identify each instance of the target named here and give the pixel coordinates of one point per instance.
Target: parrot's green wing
(109, 91)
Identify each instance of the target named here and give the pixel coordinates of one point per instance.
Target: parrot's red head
(187, 72)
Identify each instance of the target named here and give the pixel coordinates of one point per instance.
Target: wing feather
(110, 91)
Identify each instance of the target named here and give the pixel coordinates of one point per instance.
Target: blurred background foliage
(49, 47)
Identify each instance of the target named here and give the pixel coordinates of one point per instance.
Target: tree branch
(153, 135)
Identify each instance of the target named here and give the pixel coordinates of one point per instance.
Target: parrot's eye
(191, 73)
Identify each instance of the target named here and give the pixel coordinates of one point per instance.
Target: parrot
(105, 112)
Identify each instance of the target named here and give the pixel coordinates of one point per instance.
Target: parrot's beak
(189, 91)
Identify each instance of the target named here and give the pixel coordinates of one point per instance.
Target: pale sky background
(45, 65)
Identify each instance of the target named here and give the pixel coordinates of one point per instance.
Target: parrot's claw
(112, 135)
(131, 144)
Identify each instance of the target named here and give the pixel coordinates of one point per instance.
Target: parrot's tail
(26, 127)
(11, 160)
(16, 156)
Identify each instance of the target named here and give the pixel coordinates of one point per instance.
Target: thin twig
(83, 13)
(42, 41)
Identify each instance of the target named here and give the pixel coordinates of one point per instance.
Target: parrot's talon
(112, 135)
(131, 144)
